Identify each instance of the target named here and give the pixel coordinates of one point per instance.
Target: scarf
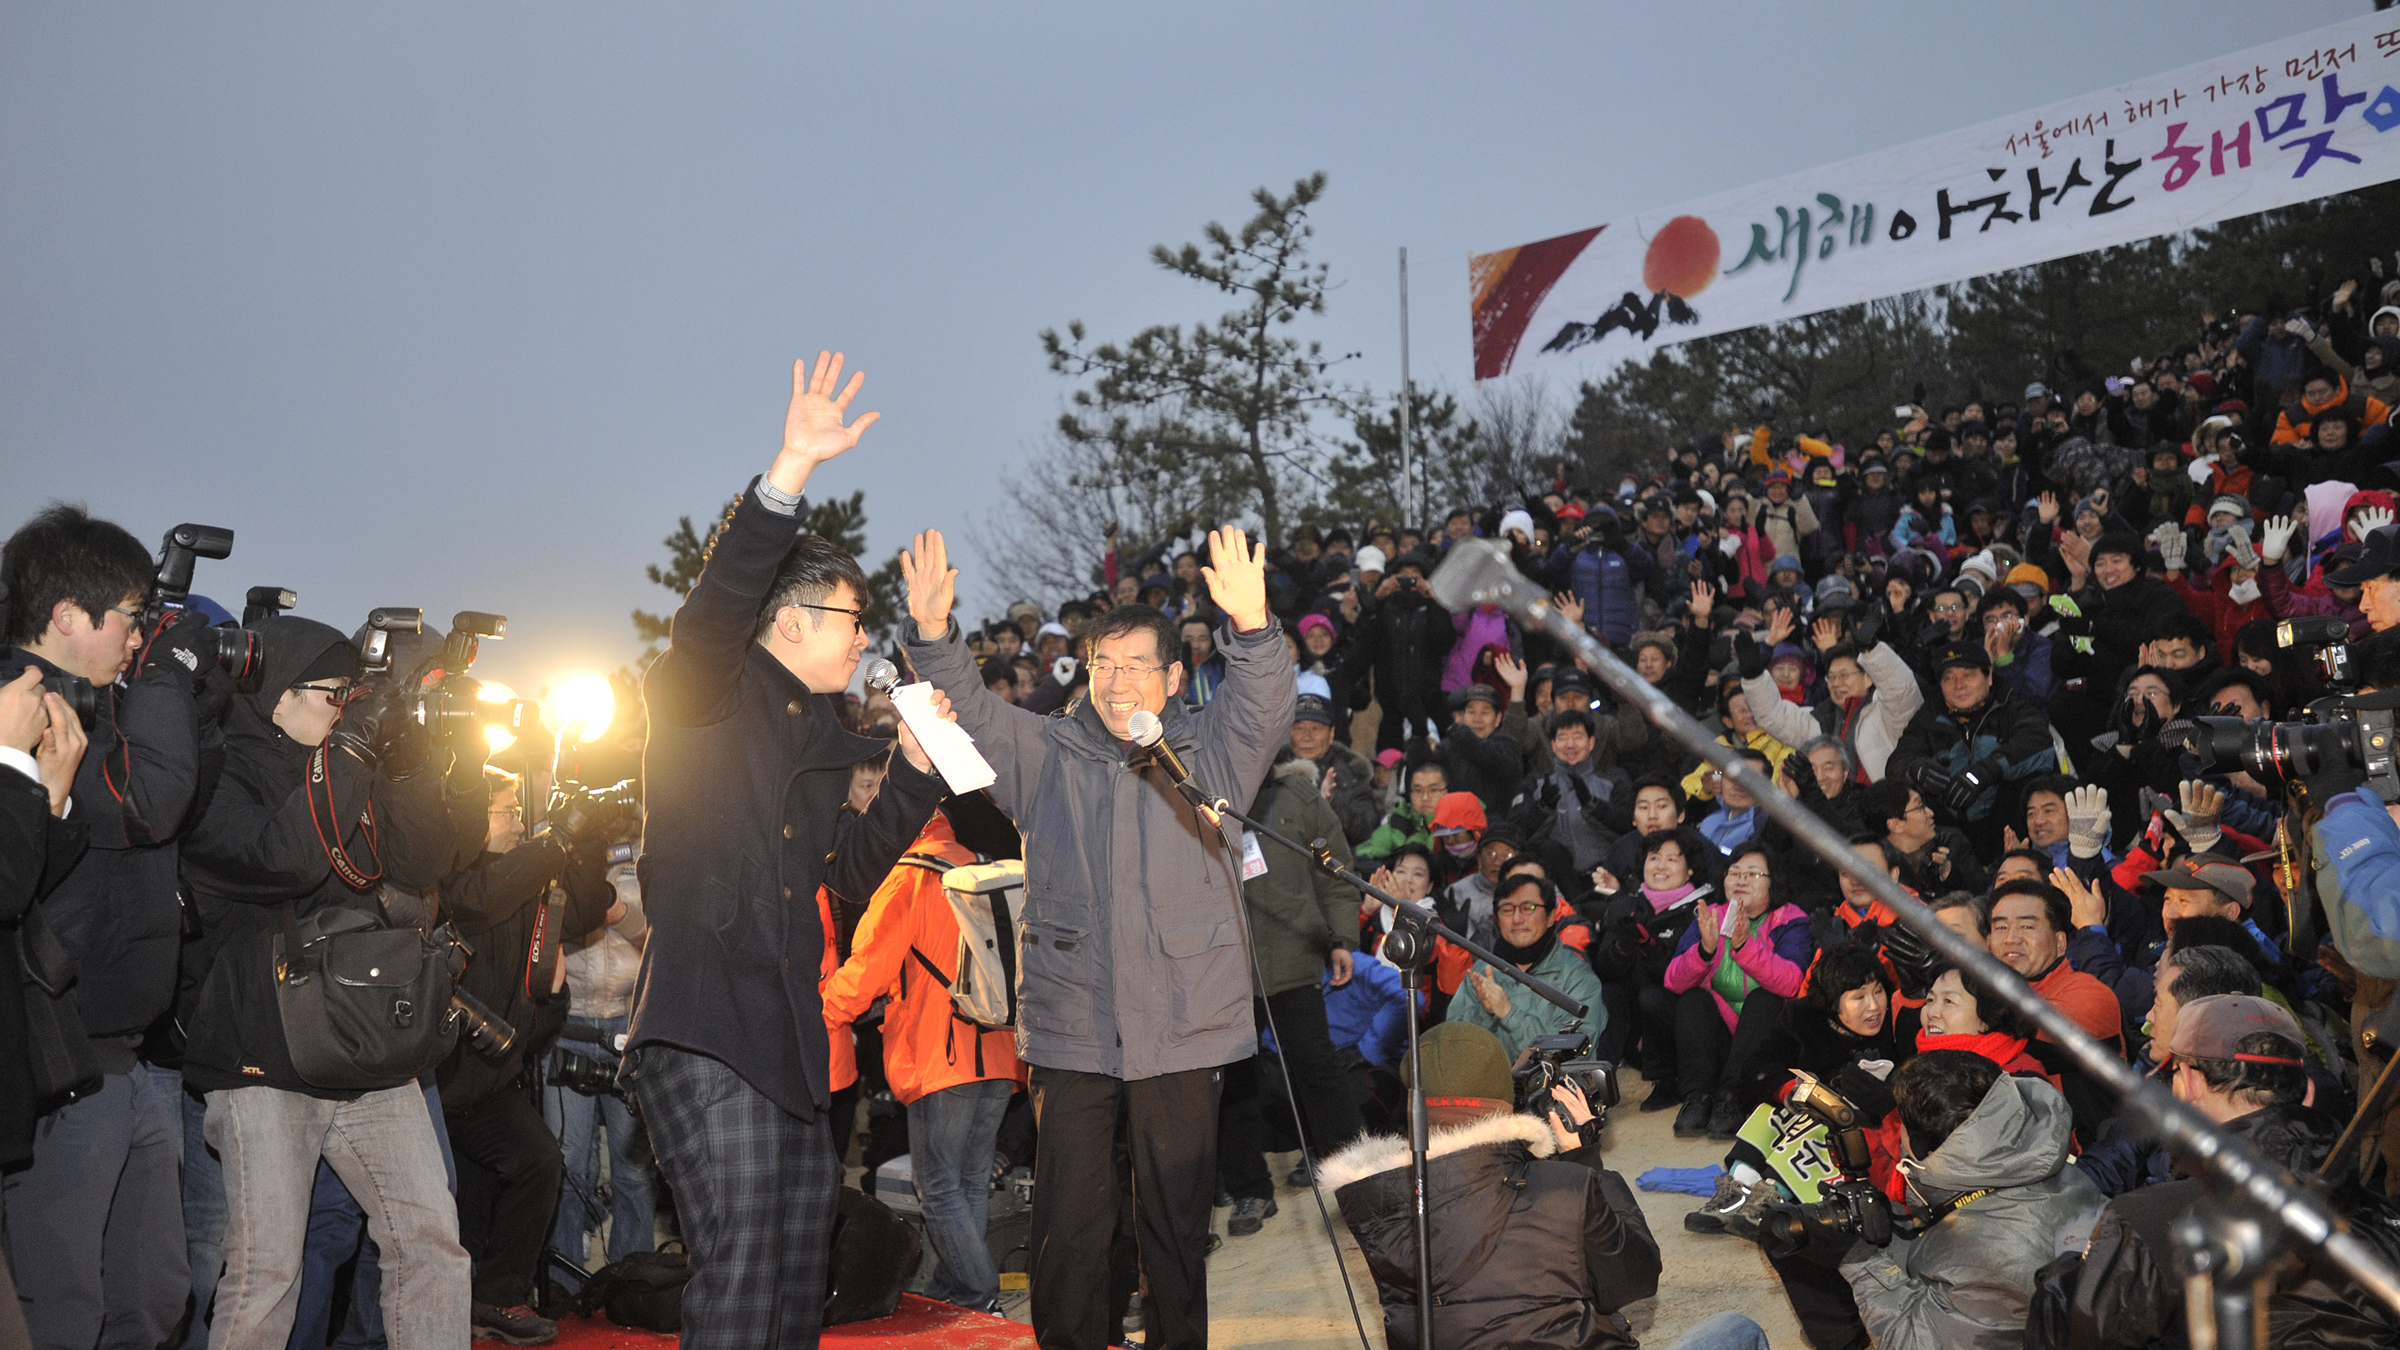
(1662, 901)
(2001, 1049)
(1528, 956)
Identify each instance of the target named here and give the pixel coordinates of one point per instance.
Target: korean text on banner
(2304, 117)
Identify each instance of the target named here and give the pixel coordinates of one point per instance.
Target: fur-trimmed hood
(1384, 1152)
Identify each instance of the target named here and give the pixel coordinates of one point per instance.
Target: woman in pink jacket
(1738, 963)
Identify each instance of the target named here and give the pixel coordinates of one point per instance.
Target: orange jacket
(925, 1047)
(841, 1060)
(2290, 430)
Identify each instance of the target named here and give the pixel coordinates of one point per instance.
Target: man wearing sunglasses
(747, 767)
(1133, 983)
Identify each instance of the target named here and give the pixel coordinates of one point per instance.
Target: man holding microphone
(1133, 971)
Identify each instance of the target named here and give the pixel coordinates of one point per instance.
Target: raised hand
(932, 584)
(2087, 821)
(2276, 538)
(812, 427)
(2010, 840)
(1566, 602)
(2090, 911)
(2370, 520)
(1779, 628)
(2049, 508)
(1237, 578)
(1704, 603)
(1826, 633)
(1512, 673)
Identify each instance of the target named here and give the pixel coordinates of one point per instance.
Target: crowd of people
(1975, 642)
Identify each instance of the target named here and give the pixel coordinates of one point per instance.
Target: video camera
(2347, 741)
(1560, 1059)
(234, 648)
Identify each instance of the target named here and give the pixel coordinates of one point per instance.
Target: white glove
(2299, 328)
(1729, 545)
(2277, 539)
(2370, 520)
(2171, 542)
(2202, 469)
(2087, 821)
(1063, 670)
(2197, 821)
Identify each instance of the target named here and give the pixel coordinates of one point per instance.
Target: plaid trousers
(754, 1186)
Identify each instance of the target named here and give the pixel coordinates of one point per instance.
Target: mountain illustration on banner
(1509, 286)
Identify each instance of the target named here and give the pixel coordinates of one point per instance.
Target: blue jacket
(1370, 1012)
(1600, 577)
(2364, 845)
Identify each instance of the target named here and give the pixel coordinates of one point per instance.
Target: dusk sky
(462, 305)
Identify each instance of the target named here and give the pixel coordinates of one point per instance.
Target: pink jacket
(1776, 971)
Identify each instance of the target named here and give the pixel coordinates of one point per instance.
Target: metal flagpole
(1408, 456)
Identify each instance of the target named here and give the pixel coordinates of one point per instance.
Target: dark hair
(1863, 841)
(1664, 783)
(2204, 969)
(1126, 620)
(811, 572)
(1841, 970)
(1937, 1091)
(1570, 717)
(1766, 854)
(63, 553)
(2001, 597)
(1511, 883)
(2056, 784)
(1841, 651)
(1413, 849)
(1995, 1014)
(2055, 906)
(1881, 803)
(2204, 694)
(2041, 861)
(2215, 930)
(2186, 625)
(998, 671)
(2254, 1083)
(1427, 763)
(1691, 842)
(1757, 758)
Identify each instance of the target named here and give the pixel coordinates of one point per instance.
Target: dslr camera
(441, 697)
(487, 1032)
(1852, 1205)
(584, 814)
(1561, 1058)
(235, 648)
(2346, 740)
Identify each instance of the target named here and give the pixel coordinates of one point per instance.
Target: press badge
(1254, 858)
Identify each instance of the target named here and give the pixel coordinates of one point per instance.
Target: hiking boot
(1747, 1220)
(518, 1325)
(1250, 1215)
(1663, 1094)
(1710, 1218)
(1726, 1118)
(1302, 1178)
(1692, 1121)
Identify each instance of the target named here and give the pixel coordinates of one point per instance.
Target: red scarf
(2001, 1049)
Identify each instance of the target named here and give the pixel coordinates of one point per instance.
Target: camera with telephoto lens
(584, 814)
(1560, 1059)
(1851, 1205)
(583, 1074)
(492, 1035)
(442, 698)
(2348, 739)
(235, 649)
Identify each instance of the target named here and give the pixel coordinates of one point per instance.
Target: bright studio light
(499, 738)
(588, 703)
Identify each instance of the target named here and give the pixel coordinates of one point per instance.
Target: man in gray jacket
(1987, 1154)
(1133, 986)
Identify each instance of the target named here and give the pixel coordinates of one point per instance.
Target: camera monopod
(2255, 1211)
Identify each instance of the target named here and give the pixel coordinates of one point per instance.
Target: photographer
(1532, 1241)
(94, 1225)
(516, 904)
(1986, 1168)
(327, 803)
(1977, 738)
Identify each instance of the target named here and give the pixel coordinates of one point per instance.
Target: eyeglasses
(334, 693)
(1747, 874)
(508, 812)
(858, 617)
(1949, 609)
(1535, 907)
(132, 616)
(1132, 670)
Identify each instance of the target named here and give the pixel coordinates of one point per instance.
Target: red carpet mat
(920, 1324)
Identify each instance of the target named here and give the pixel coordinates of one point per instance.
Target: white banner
(2305, 117)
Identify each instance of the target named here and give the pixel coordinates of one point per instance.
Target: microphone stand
(2257, 1210)
(1410, 947)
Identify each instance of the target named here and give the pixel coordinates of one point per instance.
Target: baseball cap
(1053, 629)
(2208, 872)
(2037, 389)
(1369, 559)
(2215, 1027)
(1389, 759)
(1466, 1074)
(1457, 813)
(1961, 653)
(2379, 557)
(1473, 692)
(1312, 708)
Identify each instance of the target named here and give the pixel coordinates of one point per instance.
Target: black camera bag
(644, 1290)
(57, 1051)
(365, 1005)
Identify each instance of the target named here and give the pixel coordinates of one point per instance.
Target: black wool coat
(743, 777)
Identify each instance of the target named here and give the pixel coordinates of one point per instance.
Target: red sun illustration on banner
(1682, 259)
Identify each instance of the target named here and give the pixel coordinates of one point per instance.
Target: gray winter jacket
(1967, 1282)
(1130, 959)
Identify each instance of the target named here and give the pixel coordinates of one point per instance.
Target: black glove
(1754, 660)
(1912, 960)
(182, 645)
(1966, 786)
(581, 821)
(211, 693)
(372, 720)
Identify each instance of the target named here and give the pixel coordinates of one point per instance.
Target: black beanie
(337, 662)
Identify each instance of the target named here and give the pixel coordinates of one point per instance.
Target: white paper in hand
(950, 748)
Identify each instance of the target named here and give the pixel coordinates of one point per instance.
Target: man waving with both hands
(1134, 978)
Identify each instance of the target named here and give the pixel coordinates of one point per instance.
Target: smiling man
(748, 765)
(1132, 982)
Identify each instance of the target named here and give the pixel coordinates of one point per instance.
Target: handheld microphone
(1151, 736)
(882, 675)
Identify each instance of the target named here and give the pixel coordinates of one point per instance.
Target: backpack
(644, 1290)
(988, 901)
